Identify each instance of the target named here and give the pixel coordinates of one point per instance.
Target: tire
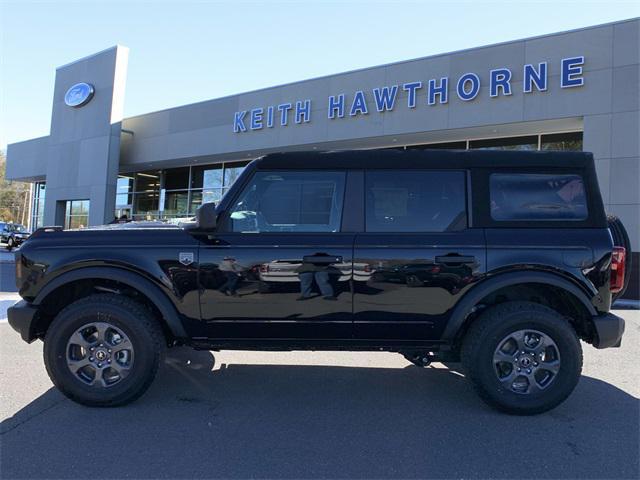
(488, 333)
(621, 239)
(10, 244)
(136, 357)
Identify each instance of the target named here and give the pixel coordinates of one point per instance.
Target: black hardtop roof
(417, 159)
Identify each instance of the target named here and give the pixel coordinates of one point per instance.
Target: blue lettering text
(531, 77)
(256, 118)
(336, 106)
(238, 122)
(468, 94)
(441, 90)
(500, 78)
(359, 104)
(284, 108)
(411, 95)
(571, 72)
(303, 111)
(385, 98)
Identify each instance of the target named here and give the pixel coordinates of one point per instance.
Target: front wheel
(10, 244)
(522, 358)
(103, 350)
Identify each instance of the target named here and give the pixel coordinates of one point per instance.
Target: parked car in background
(13, 234)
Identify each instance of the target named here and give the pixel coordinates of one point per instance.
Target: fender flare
(134, 280)
(462, 310)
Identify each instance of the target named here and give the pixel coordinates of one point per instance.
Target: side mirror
(206, 217)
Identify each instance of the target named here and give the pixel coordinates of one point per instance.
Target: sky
(183, 52)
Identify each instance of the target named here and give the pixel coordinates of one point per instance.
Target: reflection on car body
(285, 271)
(450, 277)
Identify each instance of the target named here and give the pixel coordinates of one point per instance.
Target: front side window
(415, 201)
(288, 201)
(532, 196)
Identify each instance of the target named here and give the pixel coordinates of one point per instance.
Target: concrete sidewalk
(7, 300)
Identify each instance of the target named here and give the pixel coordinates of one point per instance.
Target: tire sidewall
(566, 379)
(68, 322)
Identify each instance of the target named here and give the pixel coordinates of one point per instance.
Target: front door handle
(455, 259)
(322, 259)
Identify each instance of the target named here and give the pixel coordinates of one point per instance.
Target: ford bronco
(500, 260)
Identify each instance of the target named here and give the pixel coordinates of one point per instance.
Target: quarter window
(287, 201)
(415, 201)
(529, 196)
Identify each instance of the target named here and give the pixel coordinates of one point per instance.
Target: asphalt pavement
(238, 414)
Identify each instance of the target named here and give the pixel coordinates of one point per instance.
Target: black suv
(13, 234)
(500, 260)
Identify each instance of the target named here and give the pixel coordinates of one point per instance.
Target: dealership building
(576, 90)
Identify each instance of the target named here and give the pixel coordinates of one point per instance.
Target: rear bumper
(609, 330)
(22, 318)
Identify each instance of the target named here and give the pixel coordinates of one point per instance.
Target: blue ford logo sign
(79, 94)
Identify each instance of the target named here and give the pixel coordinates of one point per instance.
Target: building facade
(576, 90)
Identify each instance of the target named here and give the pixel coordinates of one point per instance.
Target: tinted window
(415, 201)
(537, 197)
(290, 202)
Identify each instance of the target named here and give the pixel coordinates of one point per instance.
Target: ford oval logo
(79, 94)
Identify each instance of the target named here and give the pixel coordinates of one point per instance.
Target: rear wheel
(103, 350)
(10, 244)
(522, 358)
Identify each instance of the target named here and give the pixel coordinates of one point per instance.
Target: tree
(14, 197)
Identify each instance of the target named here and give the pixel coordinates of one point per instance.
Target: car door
(279, 266)
(418, 252)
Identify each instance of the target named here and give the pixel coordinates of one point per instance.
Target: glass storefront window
(509, 143)
(124, 191)
(197, 197)
(231, 174)
(149, 180)
(76, 214)
(206, 176)
(146, 203)
(175, 203)
(37, 208)
(562, 141)
(176, 178)
(440, 146)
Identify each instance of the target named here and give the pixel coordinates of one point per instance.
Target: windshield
(19, 228)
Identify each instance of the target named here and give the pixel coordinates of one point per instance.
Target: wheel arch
(459, 319)
(170, 317)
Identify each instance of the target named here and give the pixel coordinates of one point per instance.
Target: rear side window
(530, 196)
(415, 201)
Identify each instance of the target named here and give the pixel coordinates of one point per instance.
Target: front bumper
(23, 319)
(609, 330)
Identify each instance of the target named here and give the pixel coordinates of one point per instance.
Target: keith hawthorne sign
(431, 93)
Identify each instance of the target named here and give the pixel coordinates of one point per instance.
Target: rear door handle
(455, 259)
(322, 259)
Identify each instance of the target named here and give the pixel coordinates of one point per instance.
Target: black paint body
(390, 289)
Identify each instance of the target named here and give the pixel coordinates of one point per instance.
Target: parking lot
(316, 415)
